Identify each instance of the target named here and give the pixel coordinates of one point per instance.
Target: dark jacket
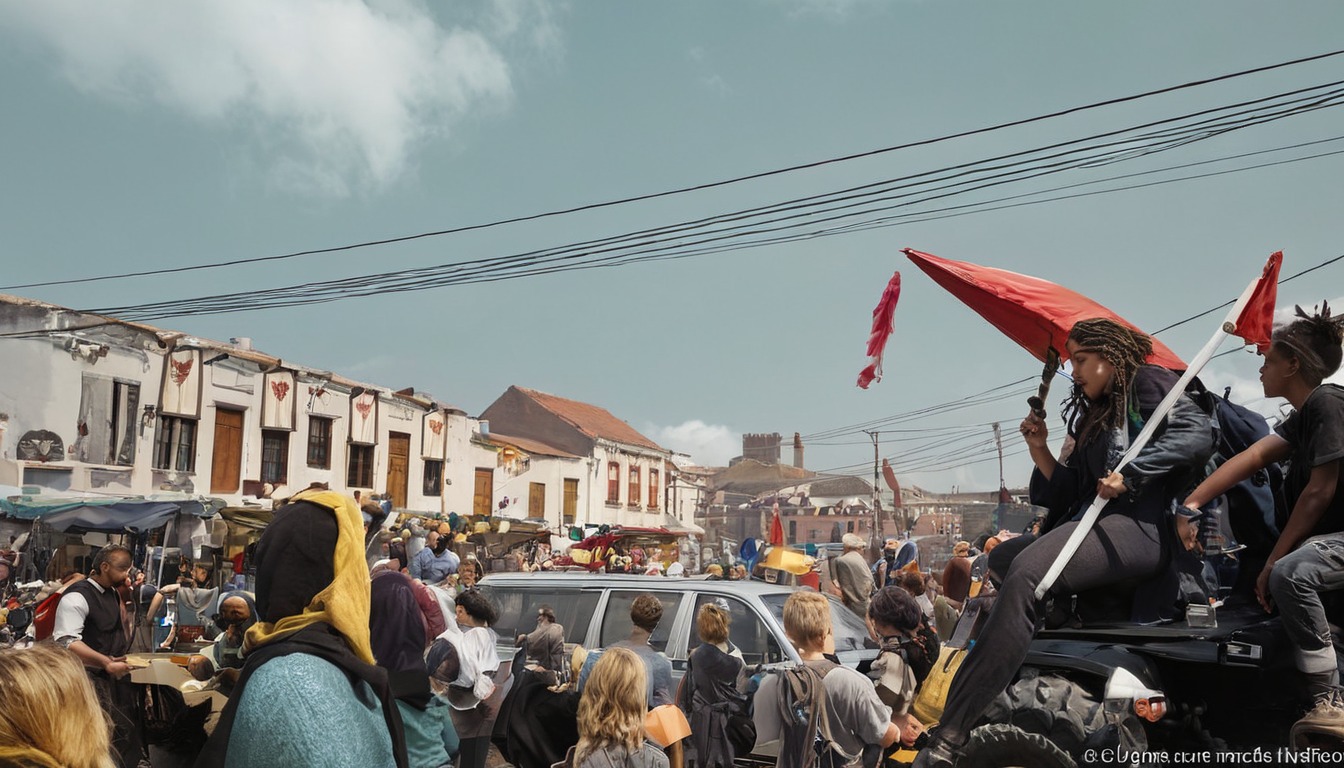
(709, 697)
(1168, 467)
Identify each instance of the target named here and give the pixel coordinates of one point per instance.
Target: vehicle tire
(1066, 714)
(1006, 746)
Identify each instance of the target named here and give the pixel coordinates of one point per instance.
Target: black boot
(940, 753)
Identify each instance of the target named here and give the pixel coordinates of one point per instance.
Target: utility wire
(416, 280)
(700, 187)
(856, 428)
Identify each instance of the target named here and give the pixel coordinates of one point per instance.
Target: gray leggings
(1118, 549)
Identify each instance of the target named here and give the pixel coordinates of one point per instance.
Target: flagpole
(1075, 540)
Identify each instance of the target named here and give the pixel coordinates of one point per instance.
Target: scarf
(312, 598)
(344, 602)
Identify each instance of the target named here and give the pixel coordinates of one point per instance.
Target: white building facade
(95, 406)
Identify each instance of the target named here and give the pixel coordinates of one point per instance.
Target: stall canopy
(252, 518)
(110, 515)
(671, 523)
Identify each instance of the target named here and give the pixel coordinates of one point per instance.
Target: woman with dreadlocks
(1130, 546)
(1308, 557)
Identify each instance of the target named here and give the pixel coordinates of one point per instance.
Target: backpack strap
(820, 669)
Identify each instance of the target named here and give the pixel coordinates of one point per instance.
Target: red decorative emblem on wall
(181, 370)
(280, 389)
(435, 426)
(364, 408)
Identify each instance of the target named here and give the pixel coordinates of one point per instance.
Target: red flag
(884, 318)
(776, 528)
(1256, 321)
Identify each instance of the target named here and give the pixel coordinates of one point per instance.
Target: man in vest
(89, 623)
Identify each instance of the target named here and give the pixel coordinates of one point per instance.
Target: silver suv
(595, 612)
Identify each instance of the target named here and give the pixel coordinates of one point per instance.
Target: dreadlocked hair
(1122, 347)
(1315, 340)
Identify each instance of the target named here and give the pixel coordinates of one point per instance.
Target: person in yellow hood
(309, 693)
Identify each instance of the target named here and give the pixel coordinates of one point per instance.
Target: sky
(140, 137)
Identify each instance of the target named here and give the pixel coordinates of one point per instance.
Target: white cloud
(709, 445)
(337, 92)
(834, 10)
(716, 84)
(709, 78)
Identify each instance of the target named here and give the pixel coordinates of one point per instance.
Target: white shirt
(71, 613)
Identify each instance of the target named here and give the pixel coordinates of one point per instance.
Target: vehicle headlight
(1125, 691)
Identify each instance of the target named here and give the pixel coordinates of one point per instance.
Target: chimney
(484, 427)
(797, 450)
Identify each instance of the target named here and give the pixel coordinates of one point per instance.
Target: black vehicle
(1216, 683)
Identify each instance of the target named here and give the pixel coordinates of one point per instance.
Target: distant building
(624, 475)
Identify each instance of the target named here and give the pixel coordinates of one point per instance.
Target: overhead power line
(696, 187)
(630, 248)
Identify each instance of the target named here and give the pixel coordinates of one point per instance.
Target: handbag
(741, 732)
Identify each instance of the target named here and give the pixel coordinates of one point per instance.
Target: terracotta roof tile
(535, 447)
(591, 420)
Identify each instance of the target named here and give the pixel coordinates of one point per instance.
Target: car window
(747, 631)
(616, 623)
(851, 634)
(518, 610)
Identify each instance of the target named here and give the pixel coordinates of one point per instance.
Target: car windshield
(851, 634)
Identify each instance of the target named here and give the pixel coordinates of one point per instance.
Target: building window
(571, 501)
(653, 489)
(634, 485)
(175, 444)
(613, 482)
(274, 456)
(109, 420)
(433, 477)
(125, 415)
(319, 442)
(359, 472)
(793, 530)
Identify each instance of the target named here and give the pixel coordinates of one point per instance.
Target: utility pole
(996, 520)
(875, 541)
(998, 441)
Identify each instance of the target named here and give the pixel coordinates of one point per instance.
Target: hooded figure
(309, 693)
(397, 629)
(233, 624)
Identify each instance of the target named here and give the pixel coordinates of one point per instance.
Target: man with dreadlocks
(1114, 392)
(1307, 558)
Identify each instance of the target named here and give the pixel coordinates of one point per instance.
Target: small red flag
(776, 527)
(1255, 324)
(884, 319)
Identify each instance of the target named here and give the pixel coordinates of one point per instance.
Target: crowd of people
(336, 662)
(331, 663)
